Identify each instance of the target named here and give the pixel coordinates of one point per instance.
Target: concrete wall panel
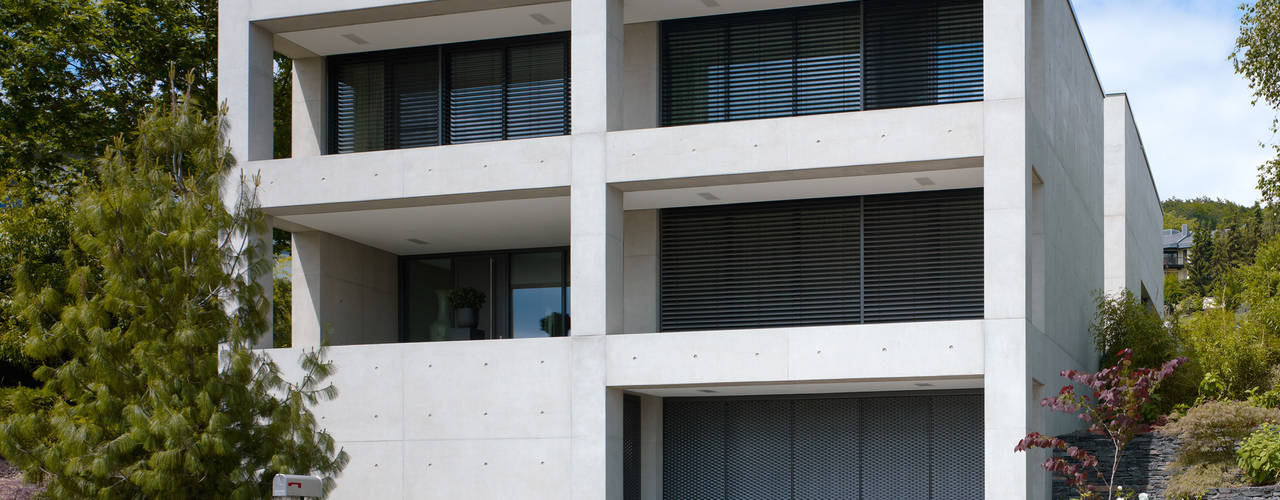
(412, 173)
(817, 141)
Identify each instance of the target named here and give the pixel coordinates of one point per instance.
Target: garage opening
(857, 446)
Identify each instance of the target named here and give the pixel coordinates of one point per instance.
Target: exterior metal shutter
(508, 89)
(872, 54)
(760, 65)
(901, 257)
(385, 100)
(923, 256)
(923, 52)
(858, 446)
(494, 90)
(783, 263)
(630, 447)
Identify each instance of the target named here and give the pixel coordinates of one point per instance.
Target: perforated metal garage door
(850, 446)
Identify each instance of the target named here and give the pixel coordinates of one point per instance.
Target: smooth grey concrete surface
(343, 292)
(1132, 210)
(540, 418)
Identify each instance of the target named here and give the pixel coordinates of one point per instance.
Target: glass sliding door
(538, 295)
(526, 294)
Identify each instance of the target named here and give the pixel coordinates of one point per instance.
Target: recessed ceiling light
(709, 196)
(711, 3)
(418, 241)
(355, 39)
(924, 181)
(923, 384)
(541, 19)
(706, 391)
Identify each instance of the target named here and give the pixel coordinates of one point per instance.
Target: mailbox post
(289, 486)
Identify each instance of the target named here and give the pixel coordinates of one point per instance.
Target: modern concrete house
(808, 249)
(1177, 250)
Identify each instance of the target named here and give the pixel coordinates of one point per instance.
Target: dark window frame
(441, 54)
(402, 285)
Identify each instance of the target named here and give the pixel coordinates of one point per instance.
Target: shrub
(1209, 432)
(1236, 351)
(1196, 480)
(1259, 455)
(1113, 409)
(466, 297)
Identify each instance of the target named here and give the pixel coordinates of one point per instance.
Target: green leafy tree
(1200, 265)
(1257, 58)
(1206, 212)
(155, 389)
(1121, 321)
(74, 75)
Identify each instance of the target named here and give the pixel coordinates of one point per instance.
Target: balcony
(799, 61)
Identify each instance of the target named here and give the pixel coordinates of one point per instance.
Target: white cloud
(1200, 132)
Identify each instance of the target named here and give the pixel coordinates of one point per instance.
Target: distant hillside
(1205, 211)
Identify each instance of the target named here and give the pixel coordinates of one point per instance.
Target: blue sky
(1170, 56)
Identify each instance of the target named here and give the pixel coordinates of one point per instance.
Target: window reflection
(538, 295)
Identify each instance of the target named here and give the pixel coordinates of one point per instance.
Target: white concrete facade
(1068, 210)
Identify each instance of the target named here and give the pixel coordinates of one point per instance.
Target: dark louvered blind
(761, 65)
(385, 100)
(763, 264)
(822, 59)
(493, 90)
(923, 256)
(863, 446)
(848, 260)
(923, 52)
(508, 90)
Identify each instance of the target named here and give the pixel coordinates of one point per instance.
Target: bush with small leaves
(1259, 455)
(1209, 432)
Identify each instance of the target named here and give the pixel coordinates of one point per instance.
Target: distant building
(1177, 245)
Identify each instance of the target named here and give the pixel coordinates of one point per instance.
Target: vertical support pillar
(596, 262)
(245, 87)
(308, 132)
(1007, 189)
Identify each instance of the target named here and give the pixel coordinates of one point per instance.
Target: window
(859, 259)
(472, 92)
(526, 291)
(823, 59)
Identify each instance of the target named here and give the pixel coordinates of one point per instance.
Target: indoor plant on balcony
(465, 303)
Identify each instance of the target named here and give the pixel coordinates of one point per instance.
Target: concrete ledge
(390, 179)
(894, 136)
(809, 354)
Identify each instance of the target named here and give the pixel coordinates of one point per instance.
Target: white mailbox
(289, 485)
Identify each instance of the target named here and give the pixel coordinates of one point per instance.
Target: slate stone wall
(1145, 467)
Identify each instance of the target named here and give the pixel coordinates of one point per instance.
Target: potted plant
(466, 303)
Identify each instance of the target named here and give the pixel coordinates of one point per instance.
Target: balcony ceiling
(321, 36)
(493, 225)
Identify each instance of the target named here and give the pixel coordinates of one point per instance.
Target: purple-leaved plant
(1114, 410)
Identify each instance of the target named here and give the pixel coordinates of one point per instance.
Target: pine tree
(156, 393)
(1200, 270)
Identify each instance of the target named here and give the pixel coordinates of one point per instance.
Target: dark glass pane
(427, 285)
(537, 295)
(359, 107)
(417, 103)
(537, 95)
(476, 95)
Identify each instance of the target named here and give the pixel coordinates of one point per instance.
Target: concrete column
(245, 81)
(595, 249)
(245, 87)
(1007, 190)
(650, 448)
(343, 292)
(640, 90)
(308, 107)
(640, 276)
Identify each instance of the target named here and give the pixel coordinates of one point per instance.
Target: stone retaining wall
(1145, 467)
